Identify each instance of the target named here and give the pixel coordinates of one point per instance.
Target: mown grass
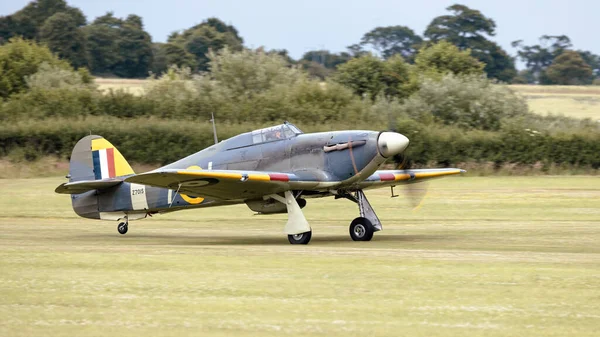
(510, 256)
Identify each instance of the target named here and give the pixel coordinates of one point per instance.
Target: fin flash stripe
(108, 161)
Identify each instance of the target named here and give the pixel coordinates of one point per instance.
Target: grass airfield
(482, 256)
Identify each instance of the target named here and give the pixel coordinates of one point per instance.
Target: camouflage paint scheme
(242, 169)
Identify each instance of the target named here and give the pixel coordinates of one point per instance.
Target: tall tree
(65, 38)
(369, 76)
(212, 34)
(569, 68)
(326, 58)
(443, 58)
(118, 46)
(538, 57)
(28, 21)
(468, 28)
(592, 60)
(393, 40)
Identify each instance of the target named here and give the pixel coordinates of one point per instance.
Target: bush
(22, 58)
(369, 76)
(469, 102)
(53, 77)
(445, 58)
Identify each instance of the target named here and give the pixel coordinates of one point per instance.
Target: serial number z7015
(137, 191)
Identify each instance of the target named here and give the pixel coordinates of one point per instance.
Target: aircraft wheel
(361, 229)
(122, 228)
(300, 239)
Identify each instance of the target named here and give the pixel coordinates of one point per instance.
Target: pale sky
(303, 25)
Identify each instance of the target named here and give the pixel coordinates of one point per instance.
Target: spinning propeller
(414, 192)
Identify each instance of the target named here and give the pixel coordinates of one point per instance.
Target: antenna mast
(212, 120)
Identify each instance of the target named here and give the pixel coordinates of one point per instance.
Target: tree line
(121, 47)
(451, 113)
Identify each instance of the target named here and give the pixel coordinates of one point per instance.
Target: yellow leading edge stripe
(225, 175)
(405, 176)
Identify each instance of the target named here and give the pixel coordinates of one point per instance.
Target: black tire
(122, 228)
(300, 239)
(361, 229)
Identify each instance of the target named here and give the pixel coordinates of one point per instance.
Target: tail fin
(95, 158)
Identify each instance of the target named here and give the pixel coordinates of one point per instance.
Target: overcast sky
(304, 25)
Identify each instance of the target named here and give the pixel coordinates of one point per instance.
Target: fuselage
(336, 160)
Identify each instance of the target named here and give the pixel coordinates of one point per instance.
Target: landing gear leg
(297, 228)
(122, 227)
(363, 227)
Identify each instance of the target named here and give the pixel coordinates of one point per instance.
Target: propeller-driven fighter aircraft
(272, 170)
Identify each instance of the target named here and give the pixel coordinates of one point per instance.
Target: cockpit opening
(274, 133)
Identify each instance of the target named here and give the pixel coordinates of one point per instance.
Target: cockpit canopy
(273, 133)
(270, 134)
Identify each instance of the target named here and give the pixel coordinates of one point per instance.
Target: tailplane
(95, 165)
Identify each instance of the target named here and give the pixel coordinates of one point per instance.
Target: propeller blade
(416, 193)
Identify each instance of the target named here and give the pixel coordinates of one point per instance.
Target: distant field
(510, 256)
(130, 85)
(573, 101)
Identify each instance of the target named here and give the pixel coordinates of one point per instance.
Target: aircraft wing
(77, 187)
(384, 178)
(224, 184)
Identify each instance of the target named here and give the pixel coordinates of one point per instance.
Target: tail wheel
(122, 228)
(361, 229)
(300, 239)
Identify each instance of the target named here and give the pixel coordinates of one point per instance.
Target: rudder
(95, 158)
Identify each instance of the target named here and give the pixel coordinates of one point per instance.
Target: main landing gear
(297, 228)
(300, 233)
(122, 227)
(363, 227)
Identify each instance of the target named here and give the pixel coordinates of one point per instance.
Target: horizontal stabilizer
(82, 186)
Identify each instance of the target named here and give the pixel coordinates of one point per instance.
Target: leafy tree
(326, 58)
(118, 46)
(370, 76)
(468, 28)
(211, 35)
(393, 40)
(469, 102)
(28, 21)
(364, 75)
(498, 64)
(21, 58)
(322, 63)
(62, 35)
(397, 77)
(356, 50)
(538, 57)
(283, 53)
(166, 55)
(592, 60)
(315, 69)
(443, 58)
(569, 68)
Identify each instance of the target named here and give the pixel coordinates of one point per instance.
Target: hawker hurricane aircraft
(272, 170)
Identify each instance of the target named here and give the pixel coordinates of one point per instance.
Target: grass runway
(493, 256)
